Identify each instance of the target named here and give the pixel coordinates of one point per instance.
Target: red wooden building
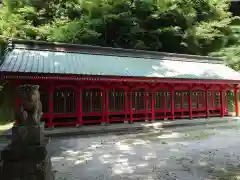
(82, 85)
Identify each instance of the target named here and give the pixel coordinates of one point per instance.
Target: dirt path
(192, 155)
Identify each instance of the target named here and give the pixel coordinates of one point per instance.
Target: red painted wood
(127, 111)
(66, 86)
(117, 86)
(213, 101)
(64, 115)
(63, 123)
(79, 108)
(165, 105)
(18, 102)
(11, 75)
(162, 110)
(139, 86)
(106, 105)
(116, 113)
(206, 102)
(198, 105)
(130, 106)
(153, 105)
(103, 100)
(92, 86)
(225, 102)
(236, 97)
(92, 121)
(160, 86)
(180, 87)
(182, 100)
(117, 120)
(50, 91)
(92, 114)
(172, 104)
(126, 103)
(190, 103)
(222, 102)
(146, 103)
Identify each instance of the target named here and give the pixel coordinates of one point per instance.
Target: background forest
(203, 27)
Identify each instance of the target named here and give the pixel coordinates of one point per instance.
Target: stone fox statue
(30, 111)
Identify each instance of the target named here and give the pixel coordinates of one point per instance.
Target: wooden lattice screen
(92, 100)
(138, 99)
(116, 100)
(64, 100)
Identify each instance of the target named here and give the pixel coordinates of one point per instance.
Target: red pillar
(172, 104)
(236, 97)
(106, 106)
(79, 112)
(165, 103)
(130, 106)
(50, 102)
(17, 83)
(222, 102)
(212, 96)
(146, 94)
(125, 102)
(182, 100)
(206, 103)
(181, 103)
(153, 105)
(190, 103)
(197, 96)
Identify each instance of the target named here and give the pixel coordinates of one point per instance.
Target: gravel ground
(212, 153)
(189, 154)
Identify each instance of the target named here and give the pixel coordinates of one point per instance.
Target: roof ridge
(64, 47)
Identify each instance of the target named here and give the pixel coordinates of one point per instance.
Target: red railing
(109, 103)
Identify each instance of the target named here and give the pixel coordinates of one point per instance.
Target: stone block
(28, 135)
(34, 168)
(15, 153)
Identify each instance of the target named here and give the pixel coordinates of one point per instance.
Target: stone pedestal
(28, 135)
(26, 158)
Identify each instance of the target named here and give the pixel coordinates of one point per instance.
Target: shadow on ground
(192, 155)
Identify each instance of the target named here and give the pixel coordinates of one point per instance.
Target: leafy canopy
(180, 26)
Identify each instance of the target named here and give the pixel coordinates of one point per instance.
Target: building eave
(33, 76)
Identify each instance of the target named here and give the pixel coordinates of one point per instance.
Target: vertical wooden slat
(172, 104)
(131, 105)
(206, 103)
(222, 102)
(51, 99)
(190, 103)
(18, 102)
(236, 97)
(153, 105)
(105, 98)
(79, 106)
(125, 102)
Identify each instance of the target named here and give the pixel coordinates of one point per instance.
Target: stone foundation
(26, 158)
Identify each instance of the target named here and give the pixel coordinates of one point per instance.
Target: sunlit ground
(193, 155)
(5, 127)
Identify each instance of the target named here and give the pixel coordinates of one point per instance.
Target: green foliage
(7, 102)
(182, 26)
(231, 51)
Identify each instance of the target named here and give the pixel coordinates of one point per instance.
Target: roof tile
(36, 61)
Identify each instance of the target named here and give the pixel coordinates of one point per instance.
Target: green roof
(47, 58)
